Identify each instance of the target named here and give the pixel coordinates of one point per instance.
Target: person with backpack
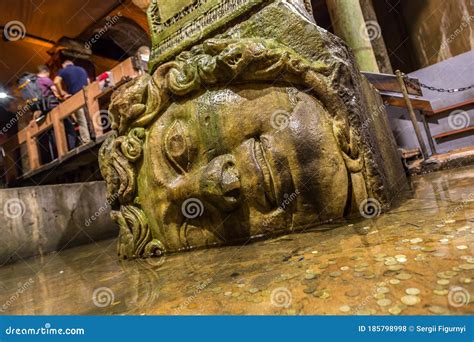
(39, 93)
(48, 90)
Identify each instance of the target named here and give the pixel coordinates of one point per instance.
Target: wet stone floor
(416, 259)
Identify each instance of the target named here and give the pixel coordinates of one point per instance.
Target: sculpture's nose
(220, 182)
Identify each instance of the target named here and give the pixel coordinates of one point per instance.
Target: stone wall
(41, 219)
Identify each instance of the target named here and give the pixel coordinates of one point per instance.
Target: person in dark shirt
(75, 79)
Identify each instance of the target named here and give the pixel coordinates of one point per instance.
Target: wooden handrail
(469, 102)
(87, 99)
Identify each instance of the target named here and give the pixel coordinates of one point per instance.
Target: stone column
(376, 38)
(349, 24)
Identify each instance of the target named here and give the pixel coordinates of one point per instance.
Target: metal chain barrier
(440, 90)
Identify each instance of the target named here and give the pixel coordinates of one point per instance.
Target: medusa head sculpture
(232, 140)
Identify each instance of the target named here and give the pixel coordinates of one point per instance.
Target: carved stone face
(235, 163)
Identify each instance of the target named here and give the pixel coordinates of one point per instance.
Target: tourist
(48, 90)
(75, 78)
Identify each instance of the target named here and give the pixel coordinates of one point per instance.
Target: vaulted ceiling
(41, 23)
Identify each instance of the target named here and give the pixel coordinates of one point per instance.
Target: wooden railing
(89, 99)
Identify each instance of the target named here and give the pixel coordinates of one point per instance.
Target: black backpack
(31, 92)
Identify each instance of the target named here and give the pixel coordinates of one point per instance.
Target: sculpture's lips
(268, 178)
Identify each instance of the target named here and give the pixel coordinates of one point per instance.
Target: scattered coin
(335, 274)
(309, 289)
(253, 290)
(390, 262)
(403, 276)
(416, 240)
(410, 300)
(466, 280)
(344, 268)
(369, 275)
(450, 221)
(383, 289)
(395, 267)
(345, 308)
(436, 309)
(325, 295)
(352, 293)
(394, 281)
(443, 292)
(309, 276)
(412, 291)
(379, 295)
(228, 293)
(384, 302)
(395, 310)
(467, 266)
(443, 282)
(461, 247)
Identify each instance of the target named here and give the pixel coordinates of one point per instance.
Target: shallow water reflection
(416, 259)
